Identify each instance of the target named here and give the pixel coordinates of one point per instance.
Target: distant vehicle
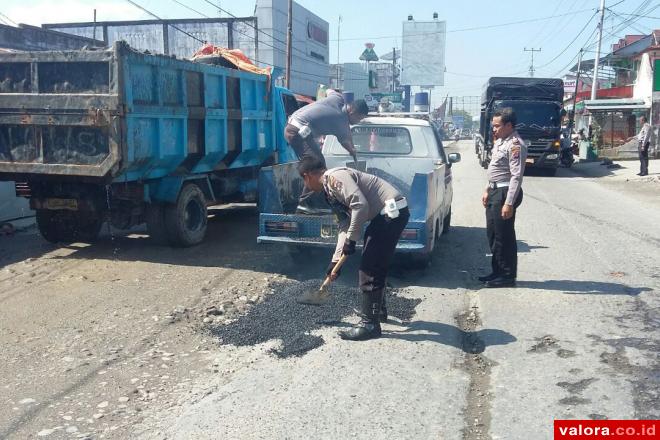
(372, 102)
(466, 133)
(538, 106)
(404, 150)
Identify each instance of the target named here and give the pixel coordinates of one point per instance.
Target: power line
(169, 24)
(324, 77)
(190, 9)
(8, 20)
(477, 28)
(574, 39)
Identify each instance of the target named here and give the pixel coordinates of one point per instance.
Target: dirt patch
(564, 354)
(280, 317)
(544, 345)
(477, 413)
(574, 400)
(577, 387)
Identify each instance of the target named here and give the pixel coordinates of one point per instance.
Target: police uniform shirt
(507, 164)
(644, 135)
(361, 195)
(325, 117)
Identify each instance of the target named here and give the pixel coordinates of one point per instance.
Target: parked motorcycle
(566, 158)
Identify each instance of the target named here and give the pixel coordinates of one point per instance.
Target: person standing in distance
(358, 198)
(502, 197)
(644, 141)
(329, 116)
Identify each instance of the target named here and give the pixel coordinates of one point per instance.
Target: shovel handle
(335, 269)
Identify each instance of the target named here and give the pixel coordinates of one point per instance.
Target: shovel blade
(314, 297)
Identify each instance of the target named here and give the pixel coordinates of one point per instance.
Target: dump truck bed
(122, 115)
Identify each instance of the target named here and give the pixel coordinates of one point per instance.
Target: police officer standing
(329, 116)
(357, 198)
(502, 197)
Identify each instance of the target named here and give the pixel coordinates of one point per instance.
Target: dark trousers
(302, 148)
(502, 234)
(380, 241)
(644, 158)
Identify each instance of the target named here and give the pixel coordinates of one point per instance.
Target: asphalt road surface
(111, 339)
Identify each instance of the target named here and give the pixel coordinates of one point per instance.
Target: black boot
(382, 316)
(369, 327)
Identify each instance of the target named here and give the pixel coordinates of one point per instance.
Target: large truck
(538, 106)
(127, 137)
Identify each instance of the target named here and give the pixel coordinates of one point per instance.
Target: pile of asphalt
(280, 317)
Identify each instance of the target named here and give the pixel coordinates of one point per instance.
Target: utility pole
(338, 32)
(393, 69)
(289, 35)
(594, 83)
(571, 122)
(531, 66)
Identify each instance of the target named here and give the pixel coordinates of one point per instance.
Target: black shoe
(489, 277)
(367, 329)
(501, 282)
(638, 174)
(643, 174)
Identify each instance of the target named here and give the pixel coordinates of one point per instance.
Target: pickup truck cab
(405, 150)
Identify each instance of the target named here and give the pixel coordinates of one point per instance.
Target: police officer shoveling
(357, 198)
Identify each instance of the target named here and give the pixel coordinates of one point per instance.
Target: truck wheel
(446, 223)
(88, 227)
(186, 220)
(67, 227)
(155, 219)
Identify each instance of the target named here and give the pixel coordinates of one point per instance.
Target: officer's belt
(400, 204)
(495, 185)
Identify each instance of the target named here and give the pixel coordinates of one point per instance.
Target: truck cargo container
(132, 137)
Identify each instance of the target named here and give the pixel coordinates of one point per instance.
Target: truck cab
(537, 103)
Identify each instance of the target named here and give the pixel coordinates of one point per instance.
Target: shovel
(320, 296)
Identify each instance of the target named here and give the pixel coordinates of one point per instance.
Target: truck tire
(187, 219)
(155, 219)
(446, 223)
(67, 226)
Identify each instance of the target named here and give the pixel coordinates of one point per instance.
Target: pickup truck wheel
(155, 219)
(446, 223)
(186, 220)
(67, 226)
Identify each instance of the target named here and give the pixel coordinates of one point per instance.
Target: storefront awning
(615, 104)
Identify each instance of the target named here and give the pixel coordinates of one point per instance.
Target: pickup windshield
(381, 139)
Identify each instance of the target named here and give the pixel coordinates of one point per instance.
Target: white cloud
(65, 11)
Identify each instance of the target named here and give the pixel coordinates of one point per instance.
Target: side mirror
(454, 157)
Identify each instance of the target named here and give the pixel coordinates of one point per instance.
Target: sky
(473, 53)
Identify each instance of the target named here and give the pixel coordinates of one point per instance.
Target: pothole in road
(280, 317)
(478, 366)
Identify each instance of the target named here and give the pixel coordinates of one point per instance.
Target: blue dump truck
(538, 106)
(127, 137)
(403, 148)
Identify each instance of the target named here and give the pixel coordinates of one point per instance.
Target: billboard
(423, 53)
